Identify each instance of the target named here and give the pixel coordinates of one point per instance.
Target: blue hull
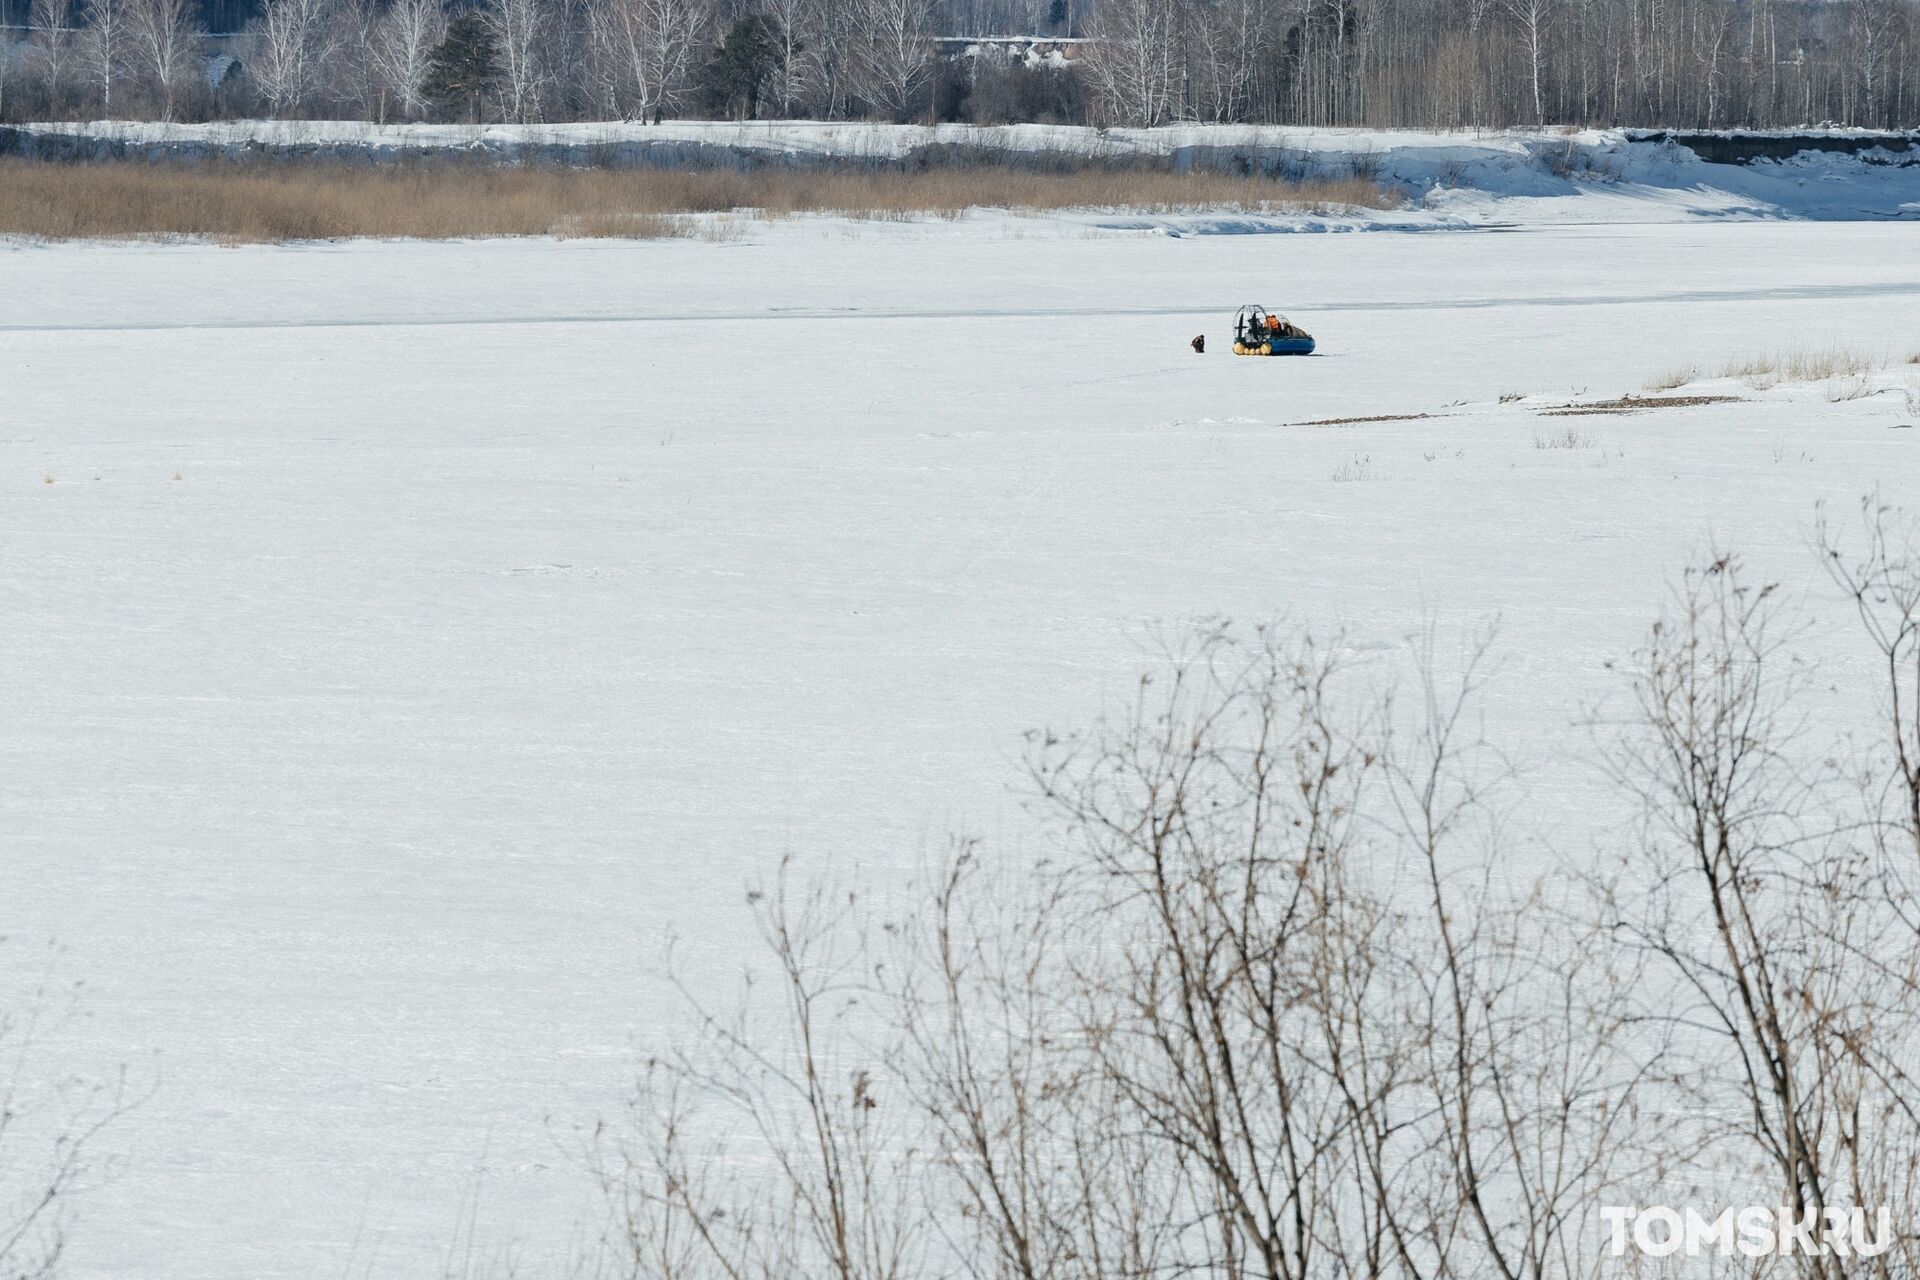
(1279, 347)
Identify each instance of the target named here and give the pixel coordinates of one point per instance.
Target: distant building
(1034, 51)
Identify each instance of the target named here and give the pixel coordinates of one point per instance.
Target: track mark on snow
(1790, 293)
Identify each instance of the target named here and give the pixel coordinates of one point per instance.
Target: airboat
(1260, 332)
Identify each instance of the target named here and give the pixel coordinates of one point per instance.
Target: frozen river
(401, 640)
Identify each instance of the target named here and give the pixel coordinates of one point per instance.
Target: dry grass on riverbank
(249, 204)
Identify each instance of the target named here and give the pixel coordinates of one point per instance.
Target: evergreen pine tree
(463, 66)
(746, 58)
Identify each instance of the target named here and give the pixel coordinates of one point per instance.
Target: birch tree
(894, 54)
(1135, 68)
(1530, 18)
(351, 78)
(289, 43)
(518, 30)
(52, 46)
(1231, 41)
(163, 45)
(646, 52)
(404, 38)
(103, 48)
(798, 20)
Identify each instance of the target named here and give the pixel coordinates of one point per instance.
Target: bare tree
(1531, 1058)
(1880, 576)
(1530, 19)
(51, 1119)
(1470, 63)
(1234, 1006)
(52, 46)
(518, 29)
(894, 54)
(350, 75)
(290, 42)
(1021, 1125)
(1136, 68)
(1231, 40)
(1279, 1005)
(833, 1192)
(833, 59)
(404, 37)
(1358, 1079)
(1882, 580)
(1765, 904)
(162, 43)
(799, 22)
(645, 52)
(102, 47)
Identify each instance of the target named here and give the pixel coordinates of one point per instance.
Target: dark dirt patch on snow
(1633, 404)
(1347, 422)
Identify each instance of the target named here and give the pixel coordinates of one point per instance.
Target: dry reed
(249, 203)
(1799, 365)
(1765, 370)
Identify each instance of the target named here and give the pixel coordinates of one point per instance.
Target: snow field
(517, 602)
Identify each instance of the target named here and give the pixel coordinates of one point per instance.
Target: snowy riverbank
(1447, 179)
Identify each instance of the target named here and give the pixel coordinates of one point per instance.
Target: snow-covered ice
(403, 639)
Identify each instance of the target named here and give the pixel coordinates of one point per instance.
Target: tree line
(1445, 63)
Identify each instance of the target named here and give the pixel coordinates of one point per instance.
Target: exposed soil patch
(1378, 417)
(1633, 404)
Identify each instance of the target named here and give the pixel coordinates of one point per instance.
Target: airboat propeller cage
(1260, 332)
